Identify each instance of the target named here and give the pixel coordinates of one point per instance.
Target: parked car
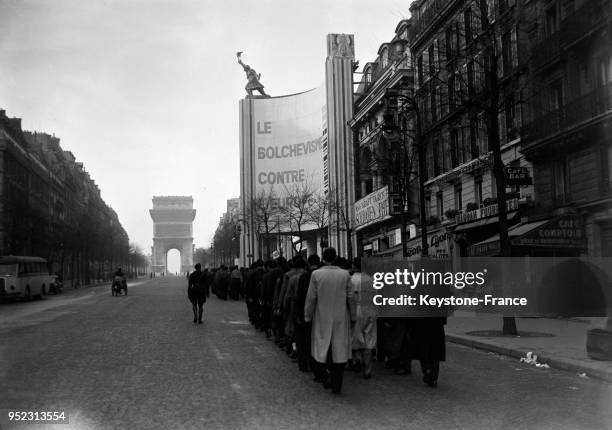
(24, 277)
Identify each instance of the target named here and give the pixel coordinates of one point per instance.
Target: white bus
(24, 277)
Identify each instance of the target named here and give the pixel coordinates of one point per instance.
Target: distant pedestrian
(196, 292)
(330, 307)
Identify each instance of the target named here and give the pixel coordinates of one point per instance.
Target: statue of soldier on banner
(252, 77)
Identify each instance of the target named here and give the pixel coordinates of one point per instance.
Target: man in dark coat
(252, 292)
(268, 285)
(302, 328)
(222, 281)
(429, 346)
(196, 292)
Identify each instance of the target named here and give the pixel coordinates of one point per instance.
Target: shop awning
(483, 222)
(564, 231)
(517, 230)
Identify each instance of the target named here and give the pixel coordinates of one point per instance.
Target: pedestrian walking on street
(331, 308)
(364, 332)
(196, 292)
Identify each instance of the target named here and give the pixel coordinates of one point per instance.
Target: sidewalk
(564, 347)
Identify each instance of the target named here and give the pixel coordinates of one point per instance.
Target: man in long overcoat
(331, 308)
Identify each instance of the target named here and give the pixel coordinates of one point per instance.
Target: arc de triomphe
(172, 229)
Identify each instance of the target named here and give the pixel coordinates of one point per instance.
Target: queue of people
(321, 313)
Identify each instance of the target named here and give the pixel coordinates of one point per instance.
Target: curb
(553, 362)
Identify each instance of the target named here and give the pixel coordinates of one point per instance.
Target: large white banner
(288, 150)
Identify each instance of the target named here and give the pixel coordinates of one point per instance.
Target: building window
(439, 205)
(552, 21)
(432, 62)
(449, 44)
(609, 165)
(451, 93)
(471, 84)
(474, 138)
(604, 70)
(560, 181)
(478, 190)
(506, 53)
(511, 117)
(420, 69)
(427, 205)
(458, 197)
(493, 186)
(385, 58)
(436, 158)
(555, 96)
(455, 149)
(433, 101)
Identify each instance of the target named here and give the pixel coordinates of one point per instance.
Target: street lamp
(392, 130)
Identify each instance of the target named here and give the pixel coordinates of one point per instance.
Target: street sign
(517, 176)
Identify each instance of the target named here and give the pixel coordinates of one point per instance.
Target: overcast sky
(145, 93)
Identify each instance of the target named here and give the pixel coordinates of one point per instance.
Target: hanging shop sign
(372, 208)
(517, 176)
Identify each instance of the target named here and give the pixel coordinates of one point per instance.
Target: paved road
(139, 362)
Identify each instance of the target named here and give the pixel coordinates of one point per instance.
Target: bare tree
(296, 208)
(263, 213)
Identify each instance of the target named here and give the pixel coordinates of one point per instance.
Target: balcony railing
(580, 109)
(583, 20)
